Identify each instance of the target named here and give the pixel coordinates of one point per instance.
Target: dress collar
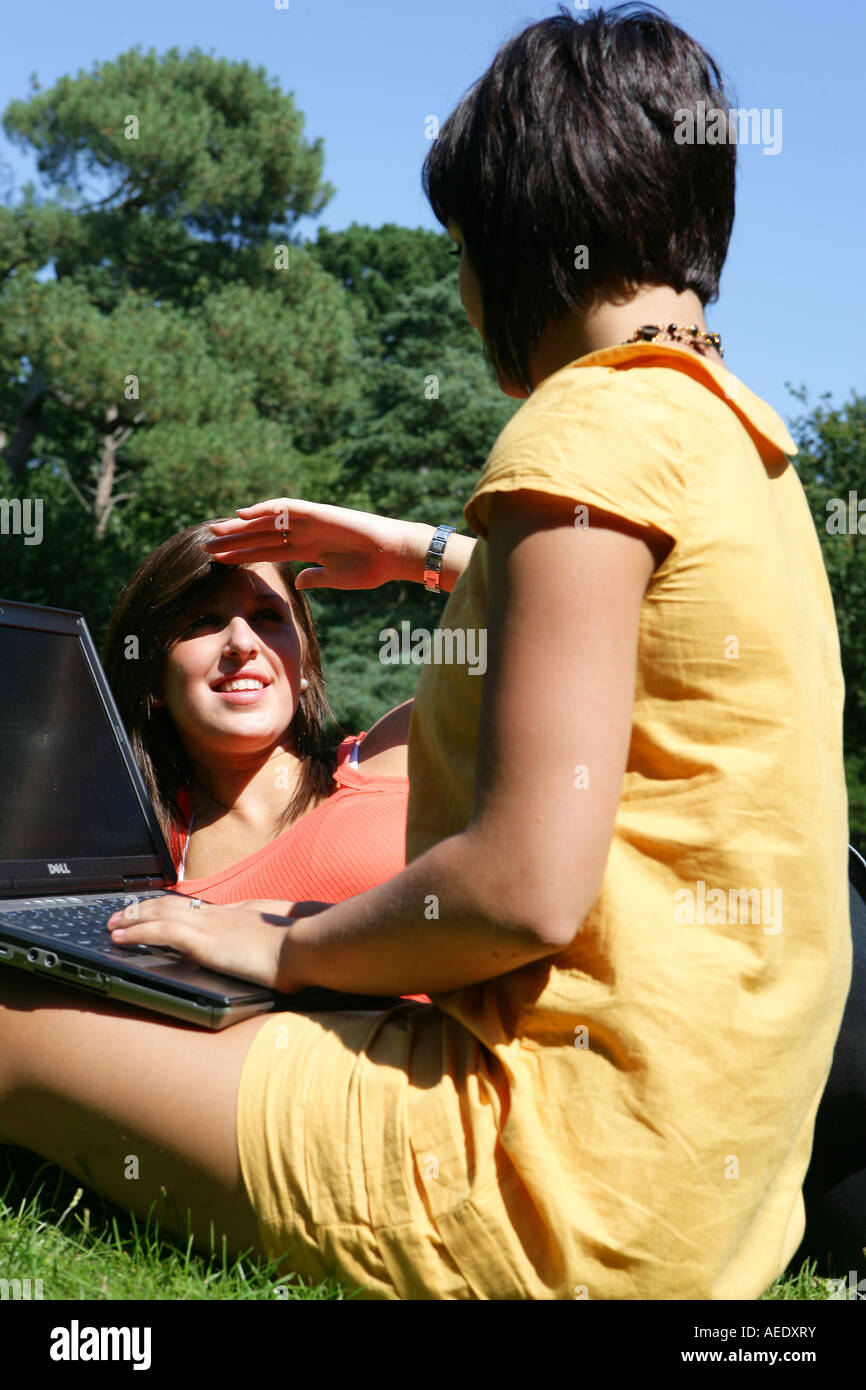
(758, 417)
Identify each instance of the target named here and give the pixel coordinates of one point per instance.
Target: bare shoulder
(383, 751)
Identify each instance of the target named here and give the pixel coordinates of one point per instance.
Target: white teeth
(243, 685)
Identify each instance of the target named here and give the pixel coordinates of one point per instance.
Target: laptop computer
(79, 837)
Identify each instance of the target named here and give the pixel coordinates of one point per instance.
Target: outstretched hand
(351, 549)
(238, 939)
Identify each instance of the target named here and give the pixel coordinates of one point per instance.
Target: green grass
(84, 1248)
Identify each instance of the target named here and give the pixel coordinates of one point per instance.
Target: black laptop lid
(74, 813)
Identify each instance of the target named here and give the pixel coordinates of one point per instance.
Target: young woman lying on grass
(613, 1094)
(224, 703)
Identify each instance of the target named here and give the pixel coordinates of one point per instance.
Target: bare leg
(93, 1085)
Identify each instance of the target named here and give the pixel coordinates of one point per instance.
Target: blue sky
(367, 73)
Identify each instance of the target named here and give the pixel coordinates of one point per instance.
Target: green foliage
(832, 465)
(378, 264)
(189, 138)
(187, 358)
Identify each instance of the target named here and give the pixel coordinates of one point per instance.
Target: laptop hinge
(143, 883)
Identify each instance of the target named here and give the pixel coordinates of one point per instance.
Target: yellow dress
(632, 1118)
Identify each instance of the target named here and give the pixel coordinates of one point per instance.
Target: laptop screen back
(65, 791)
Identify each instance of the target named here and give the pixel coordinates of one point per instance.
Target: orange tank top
(349, 844)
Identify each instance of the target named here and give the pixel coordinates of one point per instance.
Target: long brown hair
(148, 619)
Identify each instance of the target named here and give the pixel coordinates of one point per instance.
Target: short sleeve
(599, 436)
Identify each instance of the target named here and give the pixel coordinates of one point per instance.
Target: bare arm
(351, 549)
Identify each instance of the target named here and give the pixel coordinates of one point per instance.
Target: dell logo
(59, 869)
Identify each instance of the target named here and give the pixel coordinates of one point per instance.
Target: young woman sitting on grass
(613, 1095)
(224, 702)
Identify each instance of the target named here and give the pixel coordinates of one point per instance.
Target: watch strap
(433, 562)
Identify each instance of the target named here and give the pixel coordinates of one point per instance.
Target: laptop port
(46, 958)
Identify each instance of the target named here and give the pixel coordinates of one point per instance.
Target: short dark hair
(153, 607)
(567, 140)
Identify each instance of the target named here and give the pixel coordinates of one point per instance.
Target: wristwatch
(433, 563)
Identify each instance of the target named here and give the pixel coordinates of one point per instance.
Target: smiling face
(231, 680)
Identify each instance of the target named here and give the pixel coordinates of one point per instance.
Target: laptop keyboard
(82, 925)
